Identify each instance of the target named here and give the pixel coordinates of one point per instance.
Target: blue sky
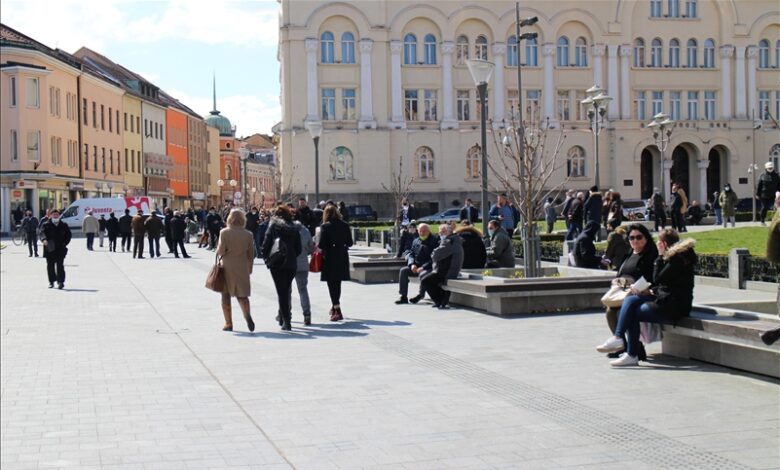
(175, 44)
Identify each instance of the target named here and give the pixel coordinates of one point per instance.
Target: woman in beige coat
(237, 249)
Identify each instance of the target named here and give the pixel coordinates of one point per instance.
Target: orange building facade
(176, 148)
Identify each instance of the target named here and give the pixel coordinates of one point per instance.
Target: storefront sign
(74, 186)
(17, 195)
(198, 196)
(22, 184)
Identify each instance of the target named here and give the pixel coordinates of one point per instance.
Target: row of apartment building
(80, 125)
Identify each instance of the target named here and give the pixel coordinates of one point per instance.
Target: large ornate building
(388, 79)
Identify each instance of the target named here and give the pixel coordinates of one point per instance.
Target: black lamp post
(662, 127)
(597, 101)
(481, 71)
(315, 129)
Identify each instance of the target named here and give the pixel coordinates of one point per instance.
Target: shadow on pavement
(302, 333)
(81, 290)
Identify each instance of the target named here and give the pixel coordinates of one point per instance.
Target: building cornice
(46, 58)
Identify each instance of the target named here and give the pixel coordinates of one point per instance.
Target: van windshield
(71, 211)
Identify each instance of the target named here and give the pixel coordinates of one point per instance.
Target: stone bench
(725, 337)
(373, 270)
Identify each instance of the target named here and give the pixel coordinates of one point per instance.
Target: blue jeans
(90, 240)
(635, 309)
(718, 219)
(574, 229)
(258, 243)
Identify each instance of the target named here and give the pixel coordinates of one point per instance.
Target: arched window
(348, 48)
(575, 162)
(472, 162)
(674, 8)
(639, 52)
(692, 53)
(462, 49)
(429, 52)
(326, 48)
(424, 157)
(531, 53)
(410, 49)
(341, 164)
(581, 52)
(228, 173)
(563, 51)
(481, 48)
(674, 53)
(656, 53)
(511, 51)
(763, 54)
(709, 54)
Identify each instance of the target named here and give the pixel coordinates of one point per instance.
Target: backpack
(278, 255)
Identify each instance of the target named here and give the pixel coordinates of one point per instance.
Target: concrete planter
(375, 268)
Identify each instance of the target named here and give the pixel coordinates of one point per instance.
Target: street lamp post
(110, 189)
(662, 128)
(243, 155)
(99, 187)
(254, 193)
(597, 102)
(481, 70)
(315, 129)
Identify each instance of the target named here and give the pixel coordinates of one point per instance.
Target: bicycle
(18, 236)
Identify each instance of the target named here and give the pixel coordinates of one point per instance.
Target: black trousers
(169, 241)
(766, 205)
(433, 282)
(32, 244)
(179, 244)
(112, 243)
(283, 279)
(678, 221)
(90, 241)
(154, 242)
(138, 246)
(334, 289)
(660, 220)
(55, 268)
(126, 237)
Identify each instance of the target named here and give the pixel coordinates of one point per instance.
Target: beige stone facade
(133, 144)
(388, 78)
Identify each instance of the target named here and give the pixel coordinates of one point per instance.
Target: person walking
(447, 260)
(575, 215)
(659, 209)
(716, 208)
(503, 213)
(469, 212)
(237, 251)
(214, 225)
(305, 216)
(90, 227)
(126, 230)
(168, 215)
(769, 337)
(253, 225)
(679, 207)
(55, 236)
(112, 229)
(281, 248)
(418, 261)
(262, 227)
(343, 211)
(154, 227)
(30, 229)
(728, 205)
(335, 240)
(565, 208)
(101, 228)
(768, 185)
(302, 271)
(550, 215)
(139, 230)
(178, 234)
(615, 211)
(592, 208)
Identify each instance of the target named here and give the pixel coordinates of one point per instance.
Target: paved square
(127, 368)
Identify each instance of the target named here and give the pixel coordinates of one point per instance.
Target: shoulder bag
(216, 278)
(617, 292)
(315, 264)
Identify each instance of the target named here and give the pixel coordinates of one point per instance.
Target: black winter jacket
(289, 235)
(673, 280)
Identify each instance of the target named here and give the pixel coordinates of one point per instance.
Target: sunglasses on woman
(636, 237)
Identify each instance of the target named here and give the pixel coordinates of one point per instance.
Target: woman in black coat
(335, 240)
(474, 251)
(55, 236)
(283, 272)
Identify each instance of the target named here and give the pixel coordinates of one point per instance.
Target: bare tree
(525, 161)
(399, 189)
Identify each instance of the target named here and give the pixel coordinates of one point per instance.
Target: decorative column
(548, 94)
(753, 111)
(667, 184)
(397, 118)
(739, 82)
(312, 110)
(598, 67)
(448, 121)
(625, 87)
(613, 108)
(499, 51)
(366, 120)
(725, 81)
(703, 165)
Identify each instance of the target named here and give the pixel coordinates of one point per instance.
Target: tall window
(472, 163)
(692, 52)
(674, 104)
(487, 106)
(328, 104)
(410, 105)
(656, 53)
(640, 105)
(563, 105)
(463, 102)
(639, 52)
(94, 115)
(110, 121)
(531, 53)
(581, 109)
(103, 159)
(125, 122)
(658, 102)
(429, 49)
(674, 8)
(33, 146)
(349, 104)
(424, 157)
(341, 164)
(777, 104)
(102, 117)
(13, 141)
(709, 54)
(763, 104)
(430, 105)
(53, 149)
(777, 54)
(575, 162)
(94, 158)
(32, 93)
(763, 54)
(533, 109)
(71, 160)
(462, 49)
(709, 105)
(481, 48)
(563, 51)
(690, 8)
(54, 101)
(410, 49)
(511, 51)
(655, 8)
(581, 52)
(327, 55)
(347, 48)
(774, 155)
(111, 161)
(674, 53)
(12, 91)
(513, 104)
(693, 105)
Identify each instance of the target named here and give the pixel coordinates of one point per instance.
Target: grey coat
(448, 255)
(501, 249)
(307, 246)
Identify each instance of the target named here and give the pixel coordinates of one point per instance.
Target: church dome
(220, 122)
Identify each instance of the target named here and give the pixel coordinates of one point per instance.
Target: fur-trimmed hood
(683, 247)
(468, 229)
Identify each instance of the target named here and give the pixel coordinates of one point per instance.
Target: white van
(74, 214)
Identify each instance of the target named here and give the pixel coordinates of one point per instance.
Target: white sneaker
(611, 345)
(625, 360)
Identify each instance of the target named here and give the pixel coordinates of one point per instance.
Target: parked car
(446, 215)
(362, 212)
(634, 209)
(746, 205)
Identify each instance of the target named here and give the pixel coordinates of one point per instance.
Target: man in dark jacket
(139, 230)
(574, 216)
(253, 225)
(112, 228)
(408, 236)
(474, 252)
(407, 214)
(446, 260)
(592, 208)
(126, 230)
(178, 233)
(500, 254)
(768, 185)
(55, 236)
(678, 208)
(30, 227)
(213, 225)
(168, 238)
(154, 228)
(418, 261)
(101, 228)
(305, 216)
(659, 209)
(469, 212)
(585, 250)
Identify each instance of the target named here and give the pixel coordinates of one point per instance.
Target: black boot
(402, 300)
(770, 336)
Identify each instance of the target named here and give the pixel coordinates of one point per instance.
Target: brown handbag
(216, 278)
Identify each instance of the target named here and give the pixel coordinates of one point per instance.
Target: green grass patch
(721, 241)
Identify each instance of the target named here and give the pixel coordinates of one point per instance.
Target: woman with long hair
(238, 252)
(281, 247)
(335, 240)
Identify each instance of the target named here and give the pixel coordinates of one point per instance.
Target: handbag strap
(216, 258)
